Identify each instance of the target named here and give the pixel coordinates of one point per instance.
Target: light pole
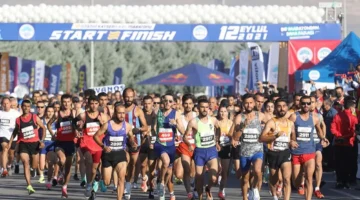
(92, 55)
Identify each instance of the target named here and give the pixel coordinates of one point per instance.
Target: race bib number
(224, 140)
(281, 143)
(116, 143)
(304, 134)
(92, 128)
(316, 137)
(66, 127)
(153, 139)
(251, 135)
(190, 138)
(207, 139)
(165, 135)
(4, 122)
(28, 132)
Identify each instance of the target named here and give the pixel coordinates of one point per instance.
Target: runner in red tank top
(29, 142)
(65, 135)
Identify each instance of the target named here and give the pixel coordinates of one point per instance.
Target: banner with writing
(257, 64)
(55, 77)
(39, 75)
(117, 76)
(4, 72)
(243, 71)
(109, 88)
(82, 86)
(273, 64)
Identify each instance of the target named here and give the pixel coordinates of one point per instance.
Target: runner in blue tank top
(165, 144)
(134, 115)
(117, 134)
(303, 146)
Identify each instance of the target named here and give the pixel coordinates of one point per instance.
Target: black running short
(5, 140)
(31, 148)
(277, 158)
(113, 158)
(225, 152)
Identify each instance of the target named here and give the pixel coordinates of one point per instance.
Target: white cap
(7, 93)
(50, 95)
(61, 92)
(13, 95)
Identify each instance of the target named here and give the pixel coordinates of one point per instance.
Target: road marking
(345, 194)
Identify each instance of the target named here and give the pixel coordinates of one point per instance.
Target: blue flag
(54, 80)
(117, 76)
(82, 86)
(47, 78)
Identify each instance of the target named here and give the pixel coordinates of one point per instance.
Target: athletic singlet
(281, 143)
(304, 135)
(48, 135)
(116, 140)
(316, 137)
(166, 134)
(135, 122)
(224, 129)
(190, 137)
(28, 131)
(151, 121)
(7, 123)
(205, 136)
(250, 137)
(91, 126)
(64, 126)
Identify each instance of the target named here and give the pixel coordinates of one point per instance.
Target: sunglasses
(40, 107)
(170, 101)
(156, 102)
(306, 103)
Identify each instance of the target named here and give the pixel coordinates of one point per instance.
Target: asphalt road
(14, 187)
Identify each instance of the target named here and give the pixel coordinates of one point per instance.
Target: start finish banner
(168, 32)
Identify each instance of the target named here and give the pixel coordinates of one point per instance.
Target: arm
(189, 129)
(334, 126)
(144, 127)
(236, 129)
(41, 125)
(48, 125)
(13, 135)
(265, 136)
(179, 124)
(293, 144)
(99, 133)
(131, 136)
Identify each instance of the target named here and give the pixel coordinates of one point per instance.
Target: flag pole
(92, 55)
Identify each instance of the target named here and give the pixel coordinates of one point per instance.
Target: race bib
(224, 140)
(165, 135)
(190, 138)
(153, 139)
(4, 122)
(304, 134)
(251, 135)
(116, 142)
(281, 143)
(92, 128)
(28, 132)
(207, 139)
(66, 127)
(316, 137)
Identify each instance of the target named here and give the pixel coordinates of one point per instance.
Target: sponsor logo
(26, 31)
(200, 32)
(24, 77)
(314, 75)
(215, 78)
(243, 33)
(175, 78)
(82, 35)
(304, 55)
(323, 52)
(299, 32)
(11, 74)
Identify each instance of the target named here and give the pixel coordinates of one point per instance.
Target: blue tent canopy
(341, 58)
(190, 75)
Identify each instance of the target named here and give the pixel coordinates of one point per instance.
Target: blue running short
(204, 155)
(245, 162)
(169, 150)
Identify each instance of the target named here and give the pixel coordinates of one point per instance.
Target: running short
(67, 147)
(183, 149)
(235, 153)
(277, 158)
(113, 158)
(96, 155)
(4, 139)
(152, 154)
(225, 152)
(145, 147)
(318, 147)
(131, 150)
(204, 155)
(302, 158)
(245, 162)
(169, 150)
(31, 148)
(49, 146)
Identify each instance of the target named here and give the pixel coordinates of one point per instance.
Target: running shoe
(318, 194)
(251, 194)
(88, 192)
(61, 179)
(256, 194)
(279, 191)
(103, 187)
(135, 186)
(221, 195)
(151, 194)
(17, 169)
(95, 186)
(33, 173)
(83, 183)
(208, 193)
(190, 196)
(144, 186)
(172, 197)
(41, 179)
(196, 195)
(48, 186)
(92, 196)
(4, 173)
(128, 190)
(76, 178)
(178, 181)
(64, 193)
(9, 170)
(161, 190)
(301, 190)
(54, 182)
(30, 190)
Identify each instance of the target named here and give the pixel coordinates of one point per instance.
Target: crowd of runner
(120, 139)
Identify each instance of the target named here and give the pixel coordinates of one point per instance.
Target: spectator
(328, 153)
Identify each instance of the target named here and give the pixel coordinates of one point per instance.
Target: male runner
(29, 142)
(116, 133)
(90, 124)
(207, 147)
(135, 117)
(165, 144)
(318, 150)
(103, 102)
(277, 133)
(186, 156)
(303, 156)
(65, 135)
(7, 125)
(247, 129)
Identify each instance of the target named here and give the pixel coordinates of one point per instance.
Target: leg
(257, 174)
(186, 160)
(178, 169)
(121, 172)
(51, 159)
(89, 167)
(273, 179)
(286, 176)
(67, 174)
(131, 167)
(245, 182)
(151, 165)
(106, 175)
(318, 169)
(4, 155)
(309, 169)
(297, 175)
(199, 180)
(225, 163)
(213, 172)
(25, 159)
(42, 164)
(165, 160)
